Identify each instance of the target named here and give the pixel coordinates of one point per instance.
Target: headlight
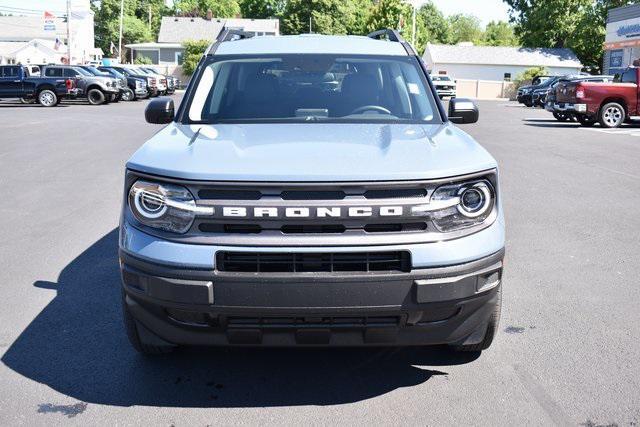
(165, 206)
(463, 205)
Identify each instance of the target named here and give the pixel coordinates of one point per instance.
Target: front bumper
(446, 92)
(141, 92)
(175, 291)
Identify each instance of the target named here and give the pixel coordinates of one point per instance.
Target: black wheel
(562, 117)
(128, 95)
(490, 333)
(27, 100)
(96, 97)
(586, 121)
(134, 329)
(528, 104)
(47, 98)
(612, 115)
(114, 98)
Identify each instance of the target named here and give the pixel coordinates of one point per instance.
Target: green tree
(464, 28)
(390, 14)
(357, 14)
(193, 51)
(576, 24)
(261, 9)
(431, 26)
(107, 24)
(500, 33)
(325, 16)
(219, 8)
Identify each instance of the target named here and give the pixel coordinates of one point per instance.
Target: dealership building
(622, 41)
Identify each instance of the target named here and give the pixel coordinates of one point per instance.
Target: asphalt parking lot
(566, 354)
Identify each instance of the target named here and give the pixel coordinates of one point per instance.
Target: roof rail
(227, 35)
(392, 35)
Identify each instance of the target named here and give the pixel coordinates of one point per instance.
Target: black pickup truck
(15, 82)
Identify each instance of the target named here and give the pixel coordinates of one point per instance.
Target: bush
(143, 60)
(193, 51)
(527, 75)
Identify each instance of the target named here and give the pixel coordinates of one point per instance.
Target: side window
(53, 72)
(629, 76)
(10, 72)
(68, 72)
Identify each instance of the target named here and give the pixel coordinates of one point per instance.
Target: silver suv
(311, 190)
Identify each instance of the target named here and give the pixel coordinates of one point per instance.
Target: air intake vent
(265, 262)
(397, 193)
(216, 194)
(312, 195)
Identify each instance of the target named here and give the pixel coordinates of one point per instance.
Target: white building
(34, 40)
(622, 40)
(497, 63)
(174, 31)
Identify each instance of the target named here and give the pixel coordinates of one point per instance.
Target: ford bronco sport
(311, 190)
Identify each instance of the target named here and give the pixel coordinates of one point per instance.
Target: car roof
(311, 43)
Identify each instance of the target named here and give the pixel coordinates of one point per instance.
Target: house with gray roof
(174, 31)
(497, 63)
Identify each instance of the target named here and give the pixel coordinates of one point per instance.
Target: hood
(297, 152)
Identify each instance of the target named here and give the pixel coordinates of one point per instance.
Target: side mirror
(160, 111)
(463, 111)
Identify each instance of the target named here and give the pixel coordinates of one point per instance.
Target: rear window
(53, 72)
(304, 87)
(629, 76)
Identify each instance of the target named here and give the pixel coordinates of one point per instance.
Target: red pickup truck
(610, 104)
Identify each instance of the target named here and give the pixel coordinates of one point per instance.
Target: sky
(485, 10)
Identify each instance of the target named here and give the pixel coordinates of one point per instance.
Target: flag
(58, 44)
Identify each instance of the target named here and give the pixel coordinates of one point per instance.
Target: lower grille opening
(312, 228)
(332, 322)
(257, 262)
(395, 228)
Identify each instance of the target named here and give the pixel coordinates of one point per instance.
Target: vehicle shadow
(77, 346)
(21, 105)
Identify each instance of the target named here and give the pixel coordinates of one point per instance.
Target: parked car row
(49, 84)
(608, 100)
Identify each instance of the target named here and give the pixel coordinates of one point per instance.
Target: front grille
(266, 262)
(332, 322)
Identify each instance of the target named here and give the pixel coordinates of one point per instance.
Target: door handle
(17, 81)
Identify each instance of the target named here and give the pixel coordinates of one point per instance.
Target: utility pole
(69, 32)
(413, 26)
(310, 28)
(149, 16)
(120, 37)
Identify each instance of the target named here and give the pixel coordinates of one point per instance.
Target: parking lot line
(623, 131)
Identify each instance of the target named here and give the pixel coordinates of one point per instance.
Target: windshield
(304, 87)
(112, 72)
(82, 71)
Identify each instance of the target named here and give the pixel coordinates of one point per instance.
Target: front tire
(490, 333)
(128, 95)
(96, 97)
(47, 98)
(612, 115)
(27, 100)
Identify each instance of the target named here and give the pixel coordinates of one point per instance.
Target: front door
(10, 81)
